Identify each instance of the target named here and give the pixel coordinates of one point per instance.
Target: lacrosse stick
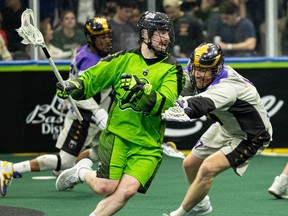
(32, 35)
(175, 113)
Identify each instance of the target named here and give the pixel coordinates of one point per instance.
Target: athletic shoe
(17, 174)
(202, 208)
(279, 188)
(171, 150)
(70, 177)
(6, 176)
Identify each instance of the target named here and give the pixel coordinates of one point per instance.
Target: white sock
(179, 212)
(22, 167)
(82, 173)
(92, 214)
(284, 177)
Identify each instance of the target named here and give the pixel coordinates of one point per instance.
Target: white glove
(182, 102)
(100, 117)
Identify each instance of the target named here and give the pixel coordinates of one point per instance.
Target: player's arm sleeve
(98, 77)
(161, 99)
(220, 96)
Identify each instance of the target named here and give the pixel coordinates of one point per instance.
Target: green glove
(73, 87)
(132, 83)
(134, 87)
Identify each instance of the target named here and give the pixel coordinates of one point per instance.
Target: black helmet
(95, 27)
(153, 21)
(209, 56)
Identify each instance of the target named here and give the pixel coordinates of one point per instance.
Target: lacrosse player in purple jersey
(75, 136)
(241, 130)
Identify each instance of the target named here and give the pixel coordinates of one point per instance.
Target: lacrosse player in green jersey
(147, 81)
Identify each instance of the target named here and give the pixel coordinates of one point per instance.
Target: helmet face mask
(156, 22)
(98, 35)
(206, 59)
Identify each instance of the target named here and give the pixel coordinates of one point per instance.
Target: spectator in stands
(237, 34)
(135, 15)
(69, 36)
(56, 53)
(284, 36)
(188, 29)
(109, 10)
(209, 13)
(83, 9)
(4, 53)
(11, 14)
(2, 32)
(125, 34)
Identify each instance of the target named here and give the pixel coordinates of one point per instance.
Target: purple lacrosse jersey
(84, 59)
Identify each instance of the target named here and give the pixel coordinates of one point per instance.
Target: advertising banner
(32, 116)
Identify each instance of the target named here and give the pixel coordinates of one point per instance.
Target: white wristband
(229, 46)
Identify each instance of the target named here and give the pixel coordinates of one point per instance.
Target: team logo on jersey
(72, 144)
(145, 72)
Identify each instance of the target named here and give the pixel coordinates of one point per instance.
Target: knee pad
(47, 162)
(67, 160)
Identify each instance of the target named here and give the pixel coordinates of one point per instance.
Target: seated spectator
(11, 14)
(209, 13)
(135, 15)
(237, 34)
(56, 53)
(109, 10)
(4, 53)
(284, 36)
(188, 29)
(125, 34)
(2, 32)
(83, 9)
(69, 37)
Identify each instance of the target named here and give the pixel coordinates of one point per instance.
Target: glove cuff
(147, 88)
(78, 93)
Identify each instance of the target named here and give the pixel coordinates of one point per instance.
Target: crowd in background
(238, 26)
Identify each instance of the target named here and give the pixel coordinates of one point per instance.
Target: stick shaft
(59, 78)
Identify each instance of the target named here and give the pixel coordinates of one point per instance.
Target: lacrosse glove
(74, 87)
(134, 87)
(183, 103)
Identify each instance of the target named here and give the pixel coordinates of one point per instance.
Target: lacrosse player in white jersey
(241, 129)
(76, 136)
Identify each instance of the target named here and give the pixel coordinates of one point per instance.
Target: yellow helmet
(208, 56)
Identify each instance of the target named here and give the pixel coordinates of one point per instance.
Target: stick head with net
(176, 113)
(28, 31)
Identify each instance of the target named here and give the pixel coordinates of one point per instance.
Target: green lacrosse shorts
(118, 156)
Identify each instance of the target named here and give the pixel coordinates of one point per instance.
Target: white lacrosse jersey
(233, 101)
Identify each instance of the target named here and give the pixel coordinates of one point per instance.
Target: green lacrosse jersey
(141, 123)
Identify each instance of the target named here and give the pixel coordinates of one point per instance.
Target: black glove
(73, 87)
